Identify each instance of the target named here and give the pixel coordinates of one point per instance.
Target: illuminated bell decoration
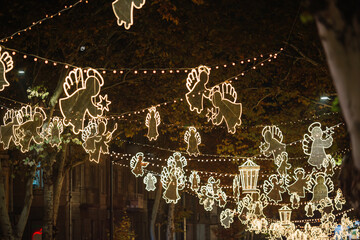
(285, 215)
(249, 173)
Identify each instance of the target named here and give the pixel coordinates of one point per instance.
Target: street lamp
(249, 173)
(285, 215)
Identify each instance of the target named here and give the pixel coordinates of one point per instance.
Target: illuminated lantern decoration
(285, 215)
(249, 173)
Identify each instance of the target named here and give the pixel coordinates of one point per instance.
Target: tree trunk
(170, 223)
(20, 227)
(155, 211)
(339, 30)
(6, 228)
(59, 183)
(48, 205)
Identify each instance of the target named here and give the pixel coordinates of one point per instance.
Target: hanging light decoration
(285, 215)
(249, 173)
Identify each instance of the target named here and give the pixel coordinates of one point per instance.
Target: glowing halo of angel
(123, 10)
(137, 164)
(225, 108)
(150, 182)
(194, 180)
(30, 128)
(196, 84)
(272, 144)
(273, 188)
(11, 120)
(320, 187)
(6, 65)
(314, 145)
(193, 140)
(226, 217)
(152, 121)
(80, 101)
(53, 132)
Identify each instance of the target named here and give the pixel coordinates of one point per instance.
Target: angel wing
(198, 138)
(192, 79)
(187, 136)
(310, 185)
(164, 177)
(306, 144)
(183, 161)
(74, 81)
(147, 119)
(228, 92)
(157, 118)
(133, 161)
(276, 133)
(330, 184)
(267, 186)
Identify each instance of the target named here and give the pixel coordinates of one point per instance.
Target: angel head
(320, 179)
(315, 130)
(179, 160)
(299, 173)
(204, 73)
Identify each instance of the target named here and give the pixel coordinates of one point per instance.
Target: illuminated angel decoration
(260, 201)
(314, 144)
(54, 131)
(339, 199)
(173, 177)
(152, 121)
(205, 200)
(226, 218)
(236, 187)
(137, 164)
(326, 207)
(123, 10)
(194, 180)
(309, 209)
(222, 198)
(246, 209)
(225, 108)
(272, 144)
(96, 139)
(196, 84)
(150, 181)
(329, 165)
(297, 189)
(283, 166)
(81, 98)
(320, 187)
(210, 193)
(193, 140)
(31, 127)
(11, 120)
(6, 65)
(274, 188)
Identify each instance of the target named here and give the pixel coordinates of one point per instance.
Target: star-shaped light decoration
(104, 103)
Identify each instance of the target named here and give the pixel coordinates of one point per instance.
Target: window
(38, 179)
